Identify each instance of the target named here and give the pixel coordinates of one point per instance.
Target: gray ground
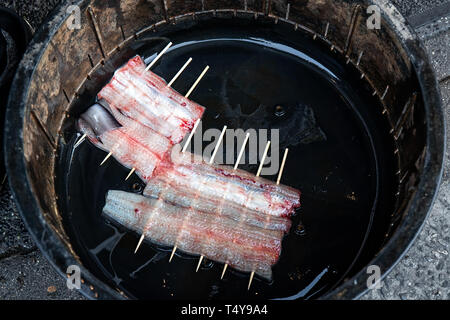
(424, 273)
(410, 8)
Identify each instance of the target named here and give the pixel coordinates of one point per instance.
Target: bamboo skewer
(234, 168)
(219, 141)
(199, 263)
(257, 175)
(140, 240)
(190, 135)
(196, 82)
(216, 148)
(106, 158)
(173, 252)
(241, 153)
(223, 271)
(250, 280)
(80, 141)
(175, 77)
(129, 175)
(278, 182)
(282, 165)
(158, 56)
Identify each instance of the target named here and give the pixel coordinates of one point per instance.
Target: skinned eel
(244, 248)
(183, 176)
(179, 177)
(131, 143)
(145, 97)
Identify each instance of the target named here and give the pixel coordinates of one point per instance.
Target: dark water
(259, 78)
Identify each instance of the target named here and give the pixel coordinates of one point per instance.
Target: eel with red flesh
(182, 176)
(131, 143)
(245, 248)
(218, 206)
(145, 97)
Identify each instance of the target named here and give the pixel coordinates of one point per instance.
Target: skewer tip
(173, 252)
(106, 158)
(158, 56)
(129, 175)
(175, 77)
(251, 279)
(223, 271)
(80, 141)
(283, 162)
(216, 148)
(196, 82)
(191, 135)
(199, 263)
(263, 159)
(241, 152)
(139, 243)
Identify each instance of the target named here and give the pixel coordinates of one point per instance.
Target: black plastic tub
(383, 137)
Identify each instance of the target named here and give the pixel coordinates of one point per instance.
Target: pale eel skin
(245, 248)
